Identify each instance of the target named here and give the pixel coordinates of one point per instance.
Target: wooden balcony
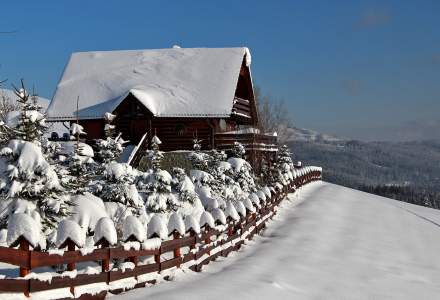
(251, 141)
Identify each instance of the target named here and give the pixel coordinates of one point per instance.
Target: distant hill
(307, 135)
(408, 171)
(10, 95)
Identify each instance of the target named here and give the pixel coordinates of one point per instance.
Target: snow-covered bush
(70, 230)
(230, 212)
(157, 228)
(206, 220)
(241, 209)
(105, 230)
(176, 224)
(248, 205)
(219, 216)
(23, 225)
(87, 210)
(191, 223)
(133, 230)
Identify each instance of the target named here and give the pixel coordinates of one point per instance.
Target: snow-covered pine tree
(238, 151)
(199, 159)
(111, 148)
(118, 185)
(31, 125)
(281, 170)
(242, 172)
(30, 184)
(116, 181)
(81, 167)
(284, 155)
(183, 186)
(216, 167)
(157, 187)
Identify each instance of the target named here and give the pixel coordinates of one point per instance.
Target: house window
(180, 129)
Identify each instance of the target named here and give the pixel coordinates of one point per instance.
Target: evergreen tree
(238, 151)
(284, 155)
(32, 125)
(111, 148)
(199, 160)
(242, 172)
(183, 186)
(158, 184)
(81, 167)
(282, 168)
(118, 185)
(30, 183)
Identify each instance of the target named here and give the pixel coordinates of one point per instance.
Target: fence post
(208, 237)
(193, 234)
(71, 266)
(24, 245)
(176, 252)
(157, 256)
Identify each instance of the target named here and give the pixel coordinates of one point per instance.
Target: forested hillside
(407, 171)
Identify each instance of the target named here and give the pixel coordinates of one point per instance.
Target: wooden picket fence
(204, 248)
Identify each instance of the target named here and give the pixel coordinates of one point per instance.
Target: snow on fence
(142, 261)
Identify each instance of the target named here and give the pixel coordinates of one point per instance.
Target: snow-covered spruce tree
(31, 125)
(199, 159)
(264, 176)
(242, 172)
(238, 151)
(183, 186)
(284, 155)
(29, 183)
(157, 187)
(118, 185)
(222, 185)
(111, 148)
(284, 165)
(116, 181)
(81, 167)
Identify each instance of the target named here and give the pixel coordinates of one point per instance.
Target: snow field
(326, 242)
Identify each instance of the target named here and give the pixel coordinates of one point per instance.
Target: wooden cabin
(177, 94)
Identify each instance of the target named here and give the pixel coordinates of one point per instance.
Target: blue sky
(362, 69)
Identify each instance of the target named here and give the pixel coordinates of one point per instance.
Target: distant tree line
(406, 171)
(410, 194)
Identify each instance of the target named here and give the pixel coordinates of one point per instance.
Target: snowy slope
(337, 244)
(308, 135)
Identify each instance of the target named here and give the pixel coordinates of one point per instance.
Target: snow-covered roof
(176, 82)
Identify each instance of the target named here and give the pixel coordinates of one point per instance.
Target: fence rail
(200, 250)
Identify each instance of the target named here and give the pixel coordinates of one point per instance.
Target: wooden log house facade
(177, 94)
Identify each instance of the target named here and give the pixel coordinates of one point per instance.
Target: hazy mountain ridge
(387, 168)
(302, 134)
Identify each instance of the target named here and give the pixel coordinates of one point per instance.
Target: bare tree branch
(274, 116)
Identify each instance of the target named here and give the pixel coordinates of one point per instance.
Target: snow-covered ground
(329, 242)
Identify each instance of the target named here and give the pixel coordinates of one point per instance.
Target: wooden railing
(203, 248)
(251, 141)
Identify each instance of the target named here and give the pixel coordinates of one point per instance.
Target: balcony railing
(251, 141)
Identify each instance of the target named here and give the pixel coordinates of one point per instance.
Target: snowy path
(337, 244)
